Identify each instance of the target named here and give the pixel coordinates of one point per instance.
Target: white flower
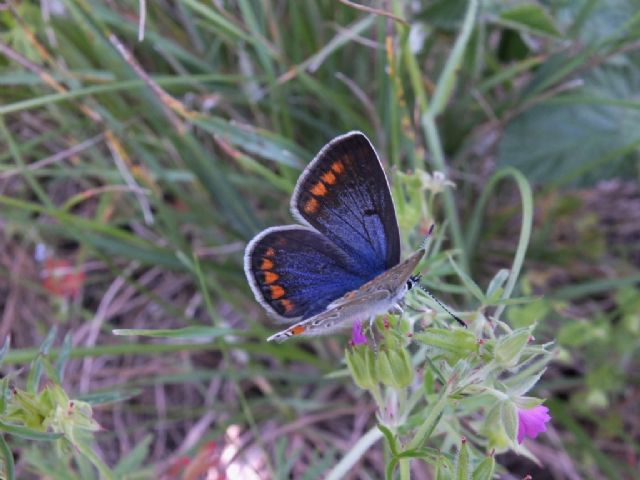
(435, 182)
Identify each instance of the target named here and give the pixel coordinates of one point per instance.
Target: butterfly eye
(413, 280)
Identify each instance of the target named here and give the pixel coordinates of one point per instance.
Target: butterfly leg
(372, 320)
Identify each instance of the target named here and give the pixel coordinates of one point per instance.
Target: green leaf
(508, 349)
(62, 358)
(444, 13)
(532, 17)
(449, 74)
(8, 467)
(526, 378)
(195, 331)
(111, 396)
(468, 282)
(390, 439)
(495, 288)
(458, 343)
(433, 415)
(584, 141)
(463, 462)
(526, 315)
(4, 349)
(28, 433)
(134, 459)
(35, 373)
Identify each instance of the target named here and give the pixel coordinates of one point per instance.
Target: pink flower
(357, 335)
(532, 422)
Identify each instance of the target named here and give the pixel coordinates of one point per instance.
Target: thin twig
(119, 156)
(142, 19)
(58, 157)
(375, 11)
(169, 104)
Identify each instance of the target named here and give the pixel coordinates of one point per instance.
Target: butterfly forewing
(344, 194)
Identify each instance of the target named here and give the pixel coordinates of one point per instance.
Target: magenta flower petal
(532, 422)
(357, 335)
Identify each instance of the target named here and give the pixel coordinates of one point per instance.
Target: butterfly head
(413, 281)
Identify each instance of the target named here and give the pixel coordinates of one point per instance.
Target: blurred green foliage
(165, 155)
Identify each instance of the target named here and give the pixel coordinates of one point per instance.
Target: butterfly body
(343, 263)
(375, 297)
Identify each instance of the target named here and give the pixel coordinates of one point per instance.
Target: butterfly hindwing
(344, 195)
(295, 272)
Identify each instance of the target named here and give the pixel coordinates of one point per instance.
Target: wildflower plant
(47, 414)
(448, 395)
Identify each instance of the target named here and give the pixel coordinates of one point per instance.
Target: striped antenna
(433, 297)
(424, 289)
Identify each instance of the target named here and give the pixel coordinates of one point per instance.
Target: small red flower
(61, 278)
(532, 422)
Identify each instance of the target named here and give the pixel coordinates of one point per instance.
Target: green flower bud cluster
(390, 366)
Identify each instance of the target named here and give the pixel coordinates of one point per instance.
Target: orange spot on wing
(319, 189)
(337, 167)
(311, 206)
(266, 264)
(276, 292)
(287, 305)
(350, 295)
(270, 277)
(270, 252)
(297, 329)
(329, 178)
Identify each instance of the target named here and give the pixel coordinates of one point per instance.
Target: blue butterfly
(343, 263)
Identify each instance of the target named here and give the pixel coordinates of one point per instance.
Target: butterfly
(342, 263)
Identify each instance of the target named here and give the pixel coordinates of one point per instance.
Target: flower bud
(462, 461)
(394, 367)
(485, 469)
(509, 420)
(508, 349)
(494, 431)
(360, 361)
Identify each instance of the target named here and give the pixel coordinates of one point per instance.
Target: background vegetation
(141, 146)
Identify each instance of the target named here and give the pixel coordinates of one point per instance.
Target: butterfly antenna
(427, 236)
(457, 319)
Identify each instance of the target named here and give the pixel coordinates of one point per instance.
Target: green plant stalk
(451, 212)
(525, 230)
(345, 465)
(441, 96)
(405, 468)
(446, 82)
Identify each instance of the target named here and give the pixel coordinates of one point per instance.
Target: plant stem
(343, 467)
(405, 469)
(437, 157)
